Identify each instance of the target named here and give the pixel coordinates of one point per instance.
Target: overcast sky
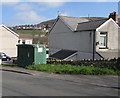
(18, 12)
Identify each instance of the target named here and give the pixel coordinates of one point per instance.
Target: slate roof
(91, 25)
(62, 54)
(110, 53)
(72, 22)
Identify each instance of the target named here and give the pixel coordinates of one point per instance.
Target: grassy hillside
(33, 32)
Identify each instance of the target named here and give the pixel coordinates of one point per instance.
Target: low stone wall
(102, 63)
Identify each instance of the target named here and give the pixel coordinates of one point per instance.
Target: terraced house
(9, 39)
(84, 38)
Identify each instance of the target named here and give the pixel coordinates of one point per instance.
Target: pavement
(108, 81)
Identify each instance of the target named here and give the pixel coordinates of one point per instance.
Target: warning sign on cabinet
(40, 49)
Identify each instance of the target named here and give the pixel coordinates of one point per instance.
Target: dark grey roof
(110, 54)
(62, 54)
(91, 25)
(72, 22)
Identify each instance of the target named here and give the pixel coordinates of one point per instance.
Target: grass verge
(70, 69)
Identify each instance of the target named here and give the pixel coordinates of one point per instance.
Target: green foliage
(9, 65)
(28, 32)
(70, 69)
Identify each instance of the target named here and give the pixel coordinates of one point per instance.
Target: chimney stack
(114, 16)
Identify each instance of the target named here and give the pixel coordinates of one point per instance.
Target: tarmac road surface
(17, 84)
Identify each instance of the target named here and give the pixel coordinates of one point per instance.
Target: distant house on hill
(43, 26)
(24, 27)
(25, 38)
(8, 41)
(84, 38)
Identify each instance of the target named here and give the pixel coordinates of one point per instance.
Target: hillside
(49, 22)
(32, 32)
(41, 28)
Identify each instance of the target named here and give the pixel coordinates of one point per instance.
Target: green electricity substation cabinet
(31, 54)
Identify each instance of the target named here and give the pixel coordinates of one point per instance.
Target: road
(17, 84)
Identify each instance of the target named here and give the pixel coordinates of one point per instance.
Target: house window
(103, 40)
(23, 41)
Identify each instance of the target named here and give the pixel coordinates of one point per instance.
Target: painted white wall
(8, 42)
(112, 29)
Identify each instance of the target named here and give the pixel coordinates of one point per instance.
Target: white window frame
(103, 34)
(23, 41)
